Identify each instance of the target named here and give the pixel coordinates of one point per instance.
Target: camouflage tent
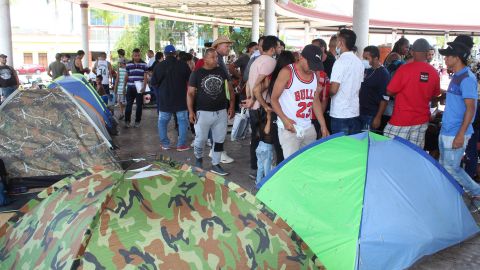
(169, 218)
(47, 133)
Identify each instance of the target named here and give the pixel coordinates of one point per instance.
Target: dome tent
(368, 202)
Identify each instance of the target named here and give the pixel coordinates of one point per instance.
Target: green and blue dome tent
(368, 202)
(80, 88)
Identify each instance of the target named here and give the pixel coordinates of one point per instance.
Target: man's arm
(334, 88)
(190, 100)
(231, 107)
(145, 81)
(258, 89)
(278, 88)
(49, 72)
(318, 111)
(115, 85)
(94, 68)
(467, 119)
(377, 120)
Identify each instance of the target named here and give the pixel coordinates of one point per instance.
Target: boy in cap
(458, 115)
(414, 85)
(295, 98)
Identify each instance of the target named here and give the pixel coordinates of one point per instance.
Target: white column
(361, 18)
(84, 30)
(6, 30)
(306, 33)
(447, 36)
(270, 19)
(215, 32)
(255, 20)
(151, 32)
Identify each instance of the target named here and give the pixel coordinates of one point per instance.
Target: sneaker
(166, 147)
(128, 125)
(137, 124)
(183, 148)
(253, 174)
(121, 117)
(225, 159)
(217, 169)
(209, 143)
(198, 163)
(192, 144)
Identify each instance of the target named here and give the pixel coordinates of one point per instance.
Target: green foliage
(107, 17)
(305, 3)
(136, 37)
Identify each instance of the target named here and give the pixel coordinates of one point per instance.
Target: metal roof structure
(239, 13)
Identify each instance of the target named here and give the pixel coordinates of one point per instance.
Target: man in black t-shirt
(8, 79)
(209, 90)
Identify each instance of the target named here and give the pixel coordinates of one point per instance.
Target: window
(42, 59)
(27, 58)
(134, 20)
(120, 21)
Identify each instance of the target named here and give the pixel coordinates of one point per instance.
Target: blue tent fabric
(78, 86)
(410, 210)
(412, 207)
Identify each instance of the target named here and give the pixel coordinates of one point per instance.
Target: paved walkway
(143, 142)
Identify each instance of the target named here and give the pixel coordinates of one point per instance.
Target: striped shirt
(135, 72)
(121, 78)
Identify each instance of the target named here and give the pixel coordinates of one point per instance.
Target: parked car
(30, 69)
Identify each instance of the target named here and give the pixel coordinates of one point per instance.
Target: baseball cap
(455, 49)
(466, 40)
(3, 56)
(421, 45)
(221, 40)
(313, 54)
(169, 49)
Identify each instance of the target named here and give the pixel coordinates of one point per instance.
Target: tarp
(368, 202)
(47, 133)
(165, 218)
(78, 86)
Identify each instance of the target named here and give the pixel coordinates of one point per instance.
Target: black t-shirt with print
(7, 76)
(210, 86)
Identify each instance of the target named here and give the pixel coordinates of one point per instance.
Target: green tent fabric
(163, 218)
(343, 177)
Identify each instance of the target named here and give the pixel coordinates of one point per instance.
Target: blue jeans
(5, 92)
(346, 125)
(164, 119)
(264, 160)
(365, 121)
(450, 159)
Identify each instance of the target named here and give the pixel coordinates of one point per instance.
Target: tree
(305, 3)
(136, 37)
(108, 18)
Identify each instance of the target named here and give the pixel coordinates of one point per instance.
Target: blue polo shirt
(462, 86)
(135, 72)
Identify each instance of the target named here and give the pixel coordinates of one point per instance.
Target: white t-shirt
(102, 69)
(348, 71)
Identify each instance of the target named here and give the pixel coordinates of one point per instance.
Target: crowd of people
(294, 98)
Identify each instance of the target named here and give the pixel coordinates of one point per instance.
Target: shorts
(415, 134)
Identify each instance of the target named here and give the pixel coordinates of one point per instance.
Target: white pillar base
(6, 30)
(84, 30)
(151, 33)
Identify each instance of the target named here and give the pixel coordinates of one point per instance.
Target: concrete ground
(143, 142)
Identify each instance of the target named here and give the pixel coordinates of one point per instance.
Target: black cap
(466, 40)
(456, 49)
(3, 56)
(313, 54)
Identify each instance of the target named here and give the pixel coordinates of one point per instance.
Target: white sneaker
(224, 158)
(209, 143)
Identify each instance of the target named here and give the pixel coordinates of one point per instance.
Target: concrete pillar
(215, 32)
(306, 33)
(84, 31)
(447, 36)
(6, 30)
(361, 19)
(255, 20)
(151, 32)
(270, 19)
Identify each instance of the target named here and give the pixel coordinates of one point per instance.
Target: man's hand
(289, 125)
(192, 117)
(458, 141)
(268, 108)
(376, 122)
(324, 131)
(249, 103)
(231, 112)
